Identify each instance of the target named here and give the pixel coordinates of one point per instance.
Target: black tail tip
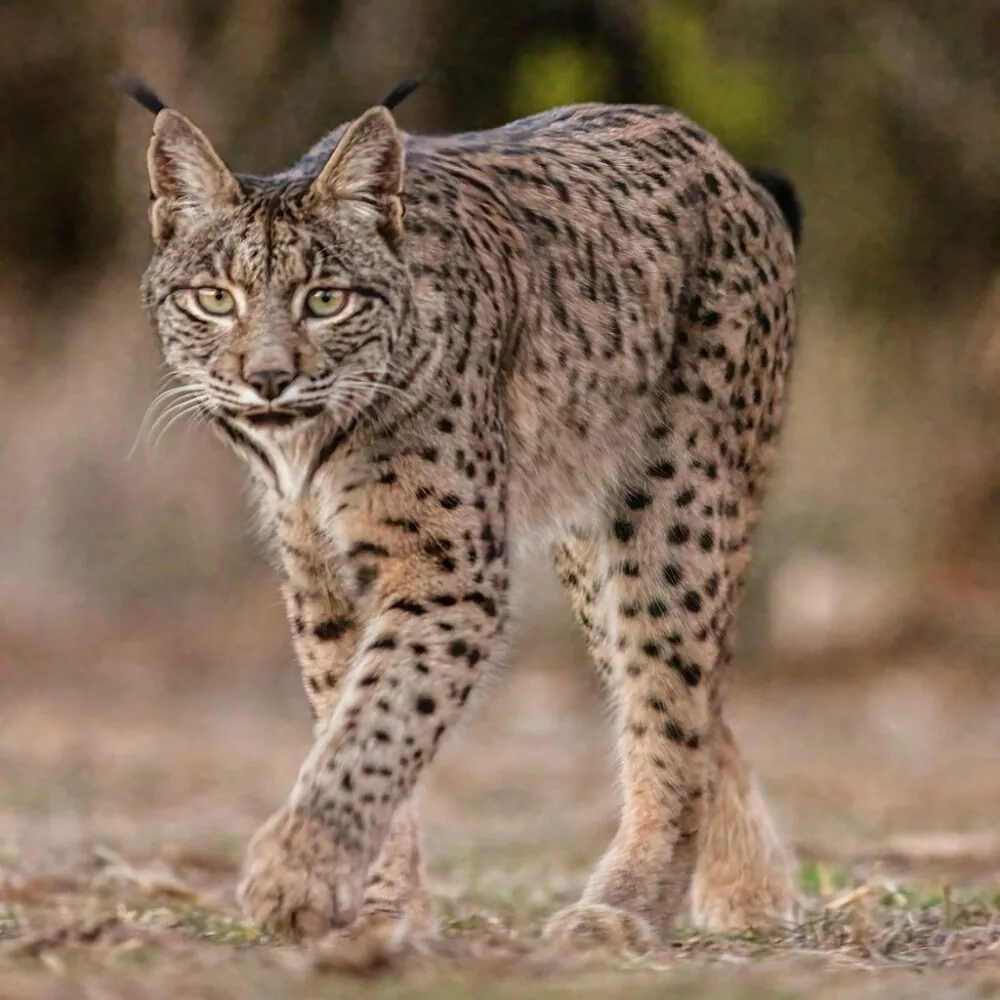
(141, 92)
(782, 190)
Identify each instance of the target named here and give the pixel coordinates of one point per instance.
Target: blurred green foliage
(558, 72)
(737, 98)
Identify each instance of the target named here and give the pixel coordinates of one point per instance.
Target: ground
(136, 764)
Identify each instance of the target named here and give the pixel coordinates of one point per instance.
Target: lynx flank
(572, 332)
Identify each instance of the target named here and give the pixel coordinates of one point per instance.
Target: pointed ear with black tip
(188, 179)
(367, 168)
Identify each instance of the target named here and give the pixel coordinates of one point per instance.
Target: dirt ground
(135, 765)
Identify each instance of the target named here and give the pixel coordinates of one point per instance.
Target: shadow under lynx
(572, 331)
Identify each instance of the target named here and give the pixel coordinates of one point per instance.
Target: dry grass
(133, 777)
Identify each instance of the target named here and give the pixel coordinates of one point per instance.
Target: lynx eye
(216, 301)
(326, 302)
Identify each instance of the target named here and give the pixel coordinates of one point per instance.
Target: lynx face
(278, 303)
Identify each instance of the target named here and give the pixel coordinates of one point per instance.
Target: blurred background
(129, 574)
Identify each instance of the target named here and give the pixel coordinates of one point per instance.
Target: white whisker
(163, 402)
(181, 406)
(195, 407)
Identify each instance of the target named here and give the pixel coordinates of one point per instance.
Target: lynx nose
(270, 382)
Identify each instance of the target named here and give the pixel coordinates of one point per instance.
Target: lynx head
(278, 300)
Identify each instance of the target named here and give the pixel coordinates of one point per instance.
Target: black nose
(271, 382)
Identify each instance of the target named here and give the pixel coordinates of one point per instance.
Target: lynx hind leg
(648, 610)
(656, 619)
(743, 877)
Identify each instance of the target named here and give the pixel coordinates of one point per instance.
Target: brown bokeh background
(144, 665)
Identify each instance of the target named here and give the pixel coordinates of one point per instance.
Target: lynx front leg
(325, 633)
(425, 559)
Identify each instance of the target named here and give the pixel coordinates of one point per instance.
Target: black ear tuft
(401, 92)
(141, 92)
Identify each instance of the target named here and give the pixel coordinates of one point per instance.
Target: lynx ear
(367, 168)
(188, 179)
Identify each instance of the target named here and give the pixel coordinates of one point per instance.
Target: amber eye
(216, 301)
(325, 302)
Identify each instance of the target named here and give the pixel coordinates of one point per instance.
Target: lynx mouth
(279, 417)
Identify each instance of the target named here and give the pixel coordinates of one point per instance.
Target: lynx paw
(297, 880)
(596, 925)
(373, 942)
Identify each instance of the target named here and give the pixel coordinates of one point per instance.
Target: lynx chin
(573, 331)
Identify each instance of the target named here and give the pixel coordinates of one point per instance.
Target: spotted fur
(573, 332)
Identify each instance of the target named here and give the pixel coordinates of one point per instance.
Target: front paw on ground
(374, 942)
(419, 909)
(597, 925)
(296, 881)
